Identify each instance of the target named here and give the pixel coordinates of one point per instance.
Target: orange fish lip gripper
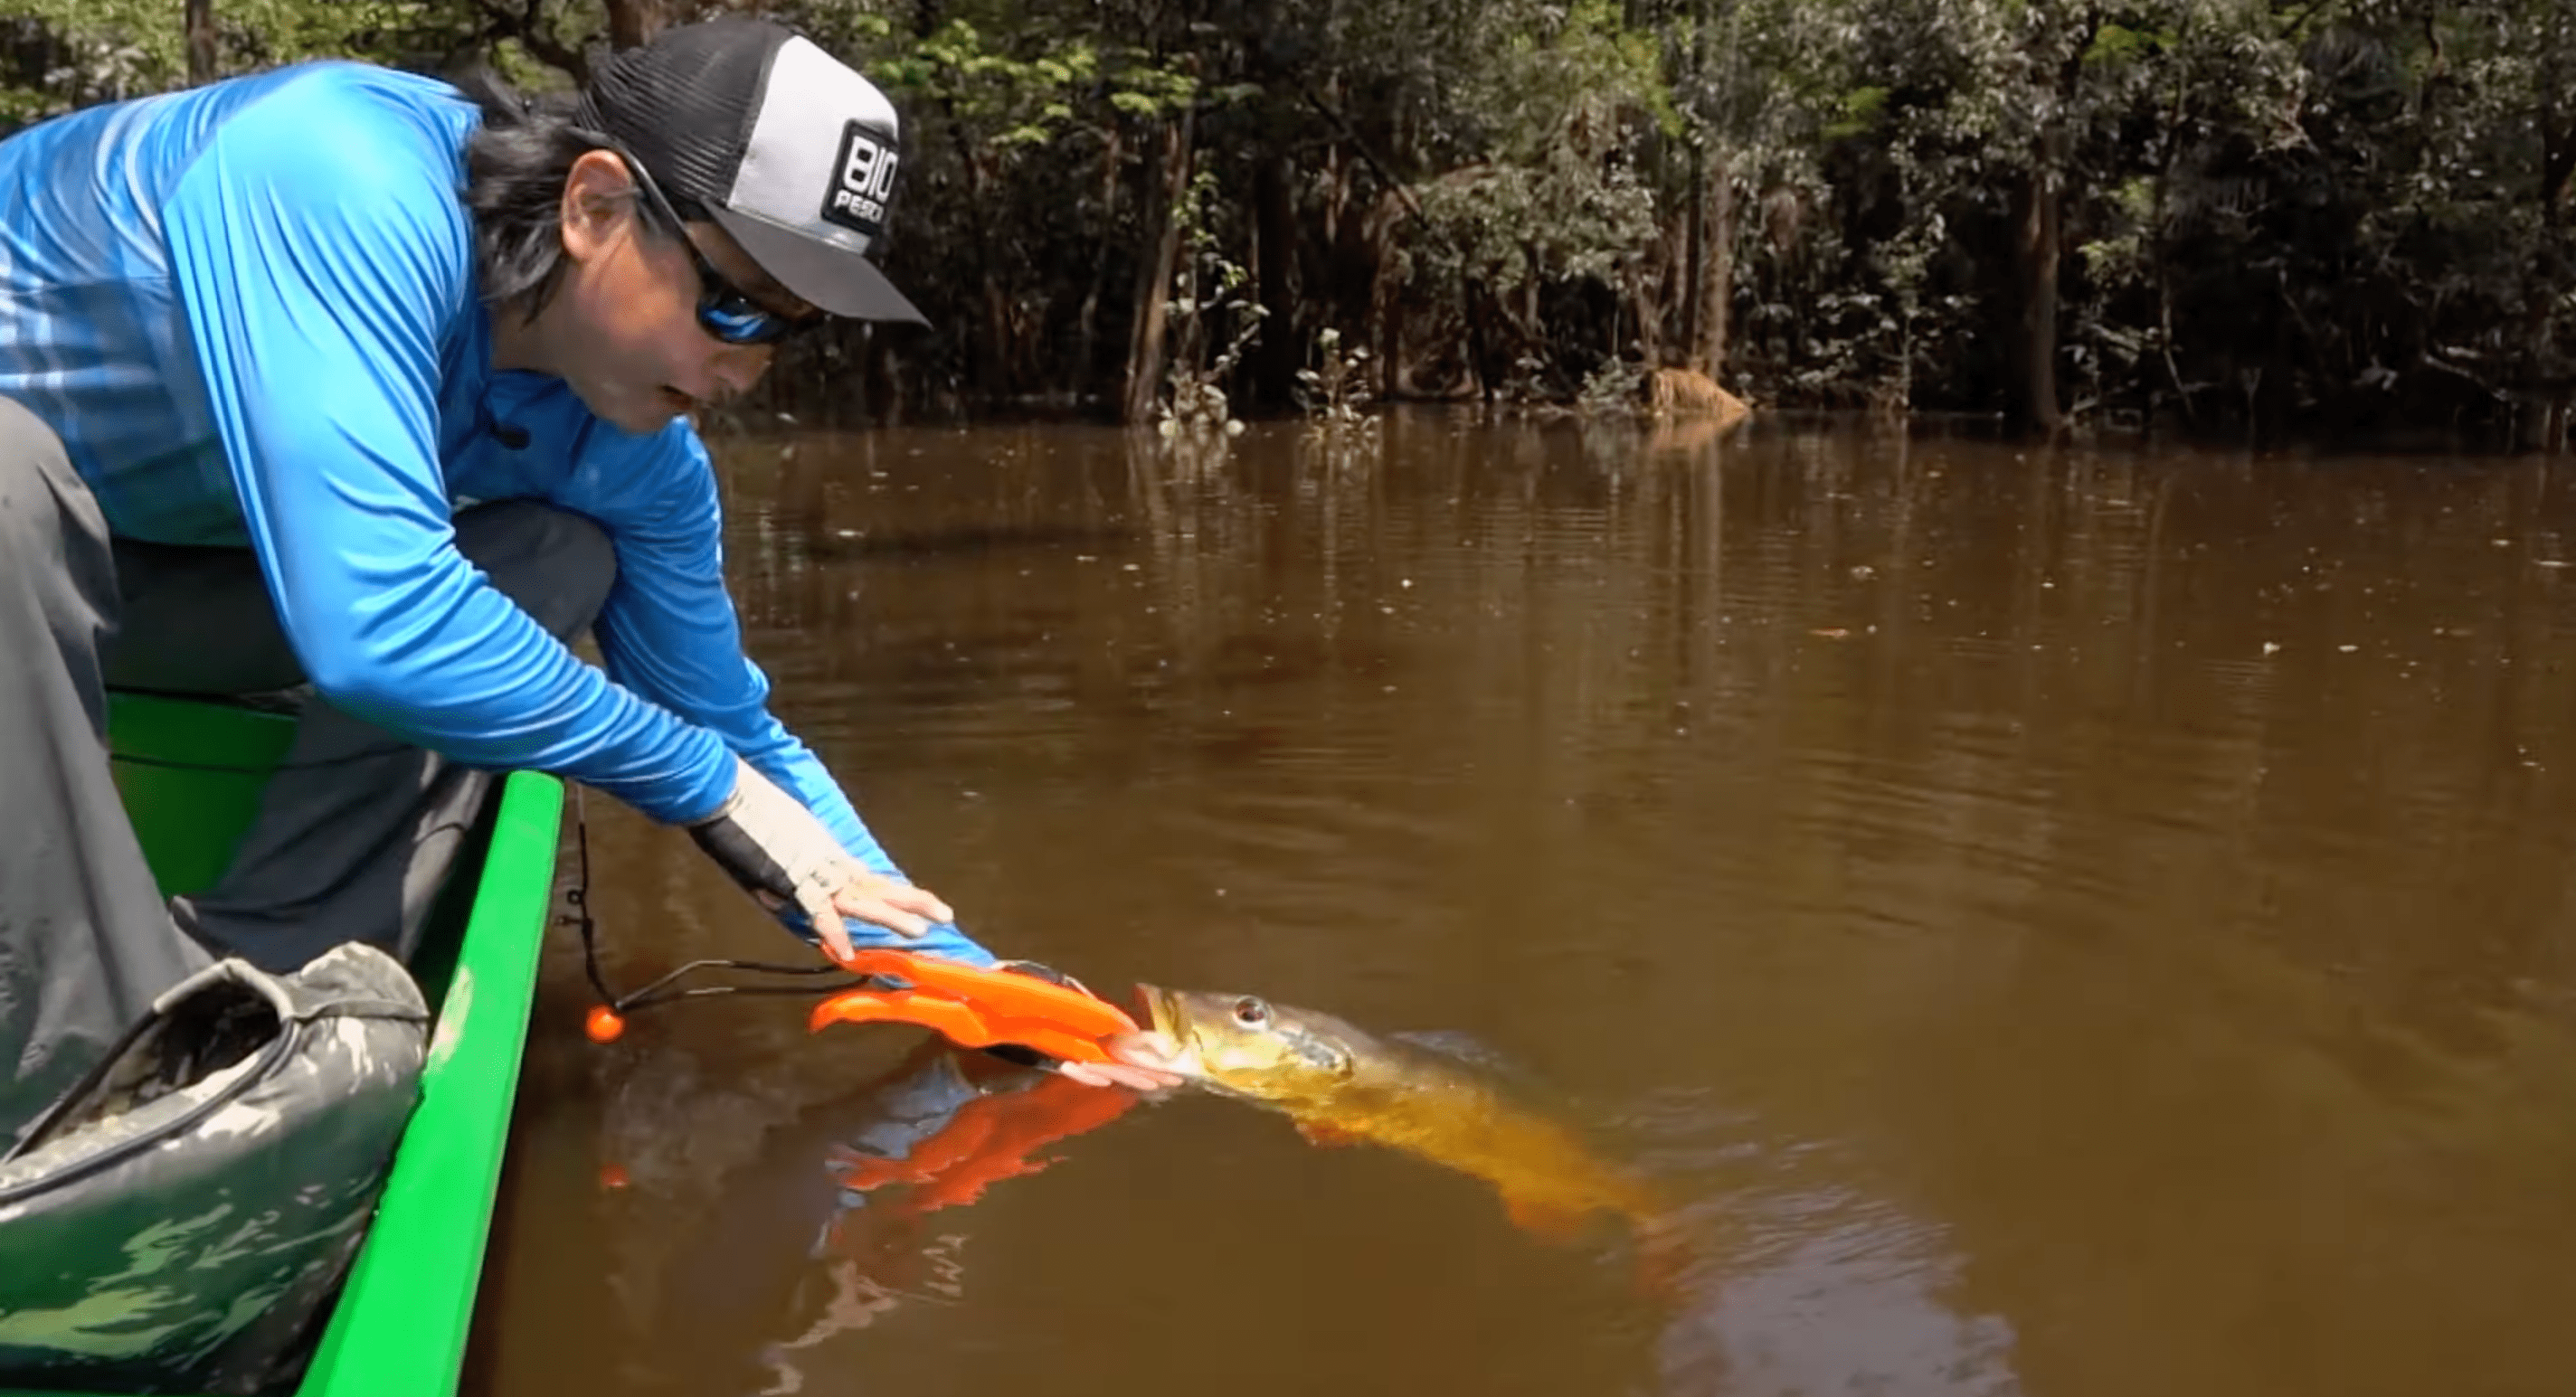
(969, 1005)
(975, 1007)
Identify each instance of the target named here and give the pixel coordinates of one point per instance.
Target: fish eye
(1251, 1012)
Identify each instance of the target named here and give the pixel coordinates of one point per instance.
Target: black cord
(667, 988)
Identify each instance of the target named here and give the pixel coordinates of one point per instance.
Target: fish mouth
(1153, 1008)
(1159, 1011)
(1163, 1014)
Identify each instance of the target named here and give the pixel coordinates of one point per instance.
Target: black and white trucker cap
(786, 147)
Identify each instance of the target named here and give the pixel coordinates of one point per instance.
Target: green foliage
(1335, 389)
(77, 52)
(2269, 212)
(1209, 296)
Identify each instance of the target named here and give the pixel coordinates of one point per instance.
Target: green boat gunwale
(190, 772)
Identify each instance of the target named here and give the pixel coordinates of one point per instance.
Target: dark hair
(515, 168)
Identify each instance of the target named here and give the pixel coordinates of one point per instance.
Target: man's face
(628, 338)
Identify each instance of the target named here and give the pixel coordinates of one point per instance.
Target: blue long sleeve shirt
(251, 312)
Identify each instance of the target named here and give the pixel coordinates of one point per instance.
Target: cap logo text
(862, 182)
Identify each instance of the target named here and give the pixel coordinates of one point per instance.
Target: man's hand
(871, 896)
(1142, 1065)
(768, 842)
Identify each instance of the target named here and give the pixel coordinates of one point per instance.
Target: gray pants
(355, 831)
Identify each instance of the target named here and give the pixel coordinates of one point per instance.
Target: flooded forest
(2222, 219)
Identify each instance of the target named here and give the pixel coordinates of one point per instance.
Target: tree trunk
(2039, 242)
(2548, 271)
(1146, 340)
(993, 378)
(1646, 279)
(1694, 252)
(1270, 364)
(2036, 248)
(993, 342)
(633, 22)
(1695, 258)
(2557, 164)
(1713, 288)
(1087, 335)
(1480, 349)
(1386, 292)
(201, 40)
(1276, 354)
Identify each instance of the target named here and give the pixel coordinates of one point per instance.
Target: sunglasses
(725, 310)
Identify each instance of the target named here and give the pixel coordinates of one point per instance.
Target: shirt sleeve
(670, 632)
(318, 247)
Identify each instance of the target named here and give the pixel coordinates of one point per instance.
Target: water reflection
(1853, 1297)
(2091, 922)
(824, 1220)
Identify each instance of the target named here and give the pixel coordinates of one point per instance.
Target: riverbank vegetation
(2230, 218)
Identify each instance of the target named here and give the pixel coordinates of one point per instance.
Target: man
(336, 377)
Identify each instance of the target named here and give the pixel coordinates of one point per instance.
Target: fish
(1343, 1085)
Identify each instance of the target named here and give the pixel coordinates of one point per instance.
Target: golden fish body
(1341, 1084)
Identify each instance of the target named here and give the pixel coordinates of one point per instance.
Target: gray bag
(182, 1220)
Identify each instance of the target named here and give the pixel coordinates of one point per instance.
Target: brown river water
(2092, 922)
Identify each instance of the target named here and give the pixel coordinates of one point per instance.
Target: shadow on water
(2084, 922)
